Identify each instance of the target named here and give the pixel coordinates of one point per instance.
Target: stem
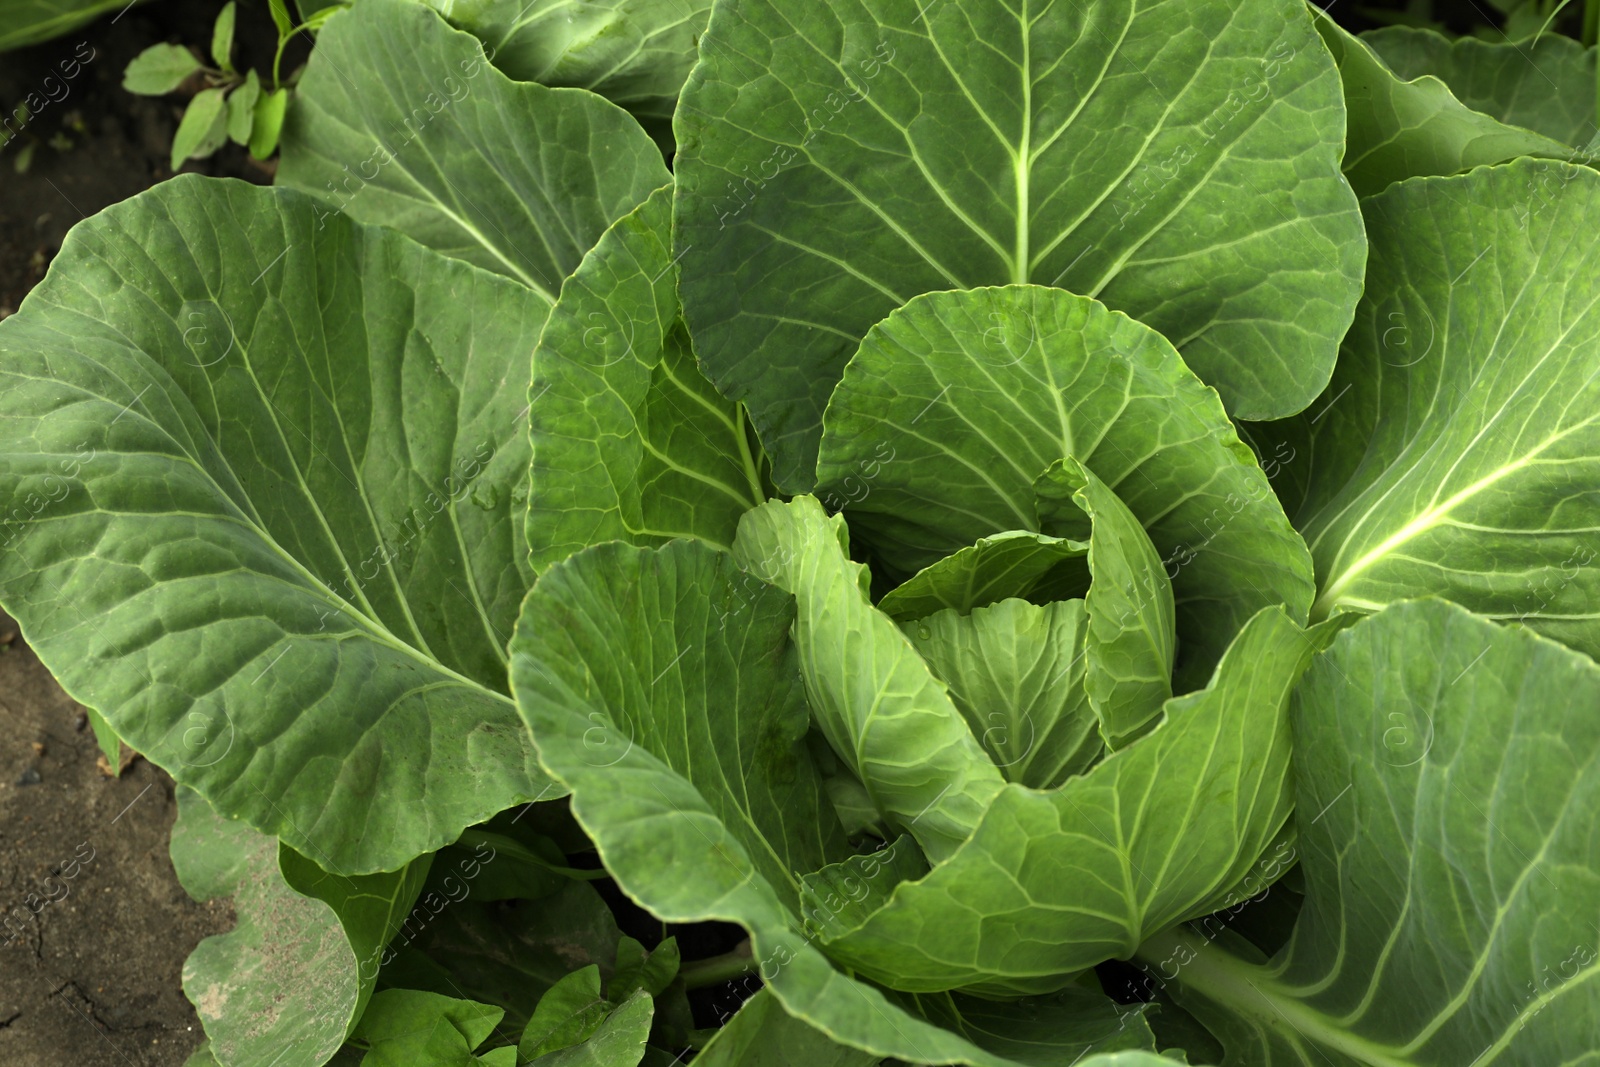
(1559, 8)
(751, 472)
(283, 42)
(475, 837)
(697, 974)
(221, 79)
(277, 61)
(1251, 992)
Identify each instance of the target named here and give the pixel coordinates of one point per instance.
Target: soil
(94, 927)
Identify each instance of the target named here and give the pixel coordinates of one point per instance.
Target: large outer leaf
(25, 22)
(1399, 129)
(762, 1034)
(1051, 883)
(881, 709)
(662, 687)
(399, 120)
(1547, 85)
(297, 969)
(971, 417)
(1062, 1030)
(266, 465)
(1180, 161)
(606, 638)
(630, 442)
(1450, 809)
(636, 53)
(1478, 342)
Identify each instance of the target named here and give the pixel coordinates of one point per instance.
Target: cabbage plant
(1048, 535)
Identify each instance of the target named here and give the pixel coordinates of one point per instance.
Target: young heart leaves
(1481, 322)
(400, 120)
(663, 689)
(1017, 563)
(876, 701)
(1045, 687)
(1016, 674)
(959, 403)
(1054, 882)
(839, 157)
(1130, 644)
(268, 468)
(1447, 821)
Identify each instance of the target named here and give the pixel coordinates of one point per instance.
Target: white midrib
(1427, 520)
(1023, 161)
(1245, 989)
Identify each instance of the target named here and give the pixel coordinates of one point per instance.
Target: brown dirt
(93, 976)
(94, 927)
